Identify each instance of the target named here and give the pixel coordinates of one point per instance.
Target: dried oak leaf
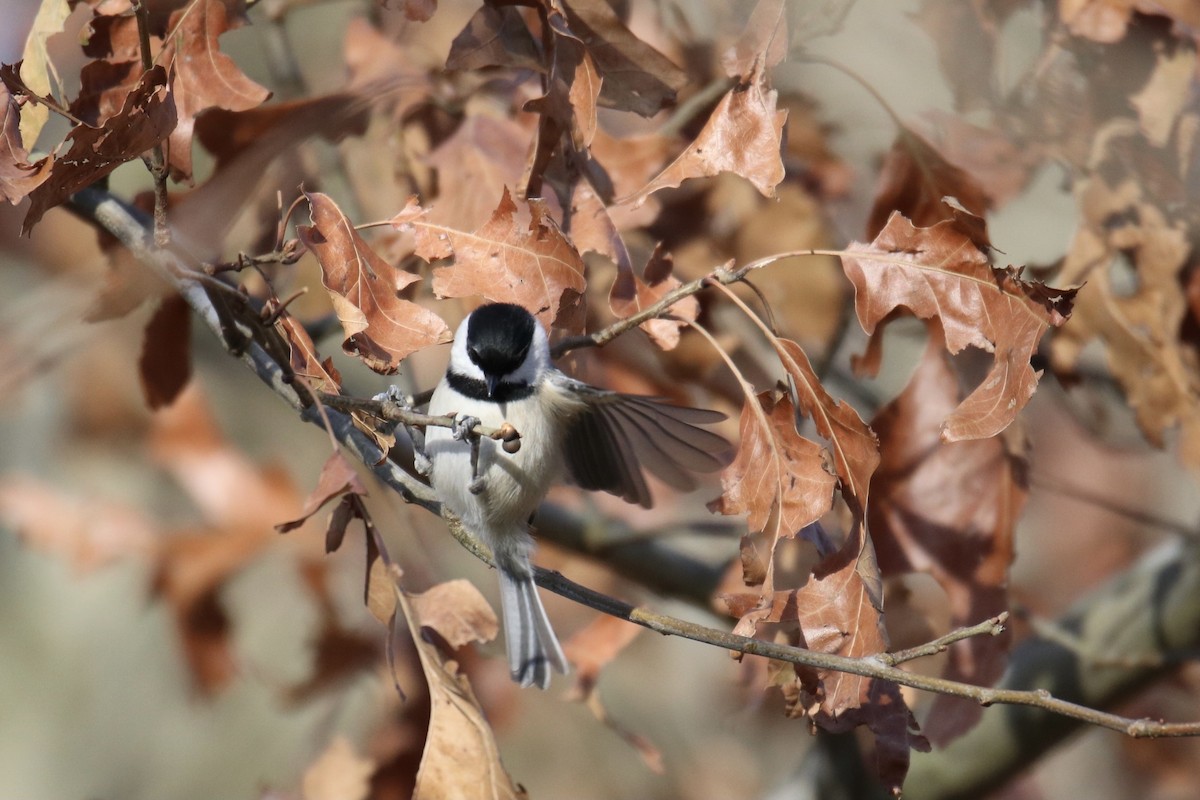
(940, 272)
(146, 118)
(17, 176)
(202, 76)
(778, 479)
(532, 264)
(914, 180)
(381, 328)
(950, 510)
(637, 77)
(337, 480)
(631, 293)
(743, 135)
(419, 10)
(461, 758)
(165, 365)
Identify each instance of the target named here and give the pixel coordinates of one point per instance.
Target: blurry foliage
(586, 159)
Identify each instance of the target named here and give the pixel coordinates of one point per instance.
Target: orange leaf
(381, 328)
(940, 272)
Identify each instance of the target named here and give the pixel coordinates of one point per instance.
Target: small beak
(493, 381)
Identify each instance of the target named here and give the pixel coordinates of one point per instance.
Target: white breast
(514, 483)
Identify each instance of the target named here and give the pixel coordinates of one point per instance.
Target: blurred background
(160, 640)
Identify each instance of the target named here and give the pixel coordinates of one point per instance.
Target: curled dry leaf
(948, 509)
(854, 446)
(506, 260)
(146, 118)
(778, 479)
(337, 479)
(486, 153)
(838, 610)
(940, 272)
(631, 293)
(203, 76)
(457, 611)
(743, 135)
(381, 328)
(913, 182)
(320, 375)
(17, 176)
(636, 77)
(461, 758)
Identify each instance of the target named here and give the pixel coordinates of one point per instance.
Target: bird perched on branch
(500, 371)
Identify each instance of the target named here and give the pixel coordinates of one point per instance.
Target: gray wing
(615, 435)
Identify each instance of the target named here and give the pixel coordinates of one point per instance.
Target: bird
(499, 371)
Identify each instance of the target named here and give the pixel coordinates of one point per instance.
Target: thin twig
(989, 627)
(158, 165)
(868, 667)
(394, 412)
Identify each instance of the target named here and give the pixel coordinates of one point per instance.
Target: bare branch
(989, 627)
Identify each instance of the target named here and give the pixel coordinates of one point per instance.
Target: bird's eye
(473, 352)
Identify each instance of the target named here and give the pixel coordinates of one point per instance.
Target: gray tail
(533, 649)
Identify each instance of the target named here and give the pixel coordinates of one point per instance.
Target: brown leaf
(965, 37)
(533, 265)
(495, 37)
(337, 478)
(948, 509)
(146, 118)
(636, 77)
(939, 272)
(914, 179)
(838, 611)
(381, 328)
(778, 479)
(17, 176)
(458, 612)
(631, 293)
(854, 447)
(743, 135)
(203, 76)
(1165, 95)
(339, 774)
(461, 758)
(165, 365)
(321, 375)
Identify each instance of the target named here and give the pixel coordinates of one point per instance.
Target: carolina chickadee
(500, 371)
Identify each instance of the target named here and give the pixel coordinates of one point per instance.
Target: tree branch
(1149, 614)
(130, 228)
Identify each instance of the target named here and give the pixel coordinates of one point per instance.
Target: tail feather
(533, 649)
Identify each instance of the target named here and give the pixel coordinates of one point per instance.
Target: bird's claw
(463, 427)
(478, 485)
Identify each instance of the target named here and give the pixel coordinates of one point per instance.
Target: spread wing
(615, 435)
